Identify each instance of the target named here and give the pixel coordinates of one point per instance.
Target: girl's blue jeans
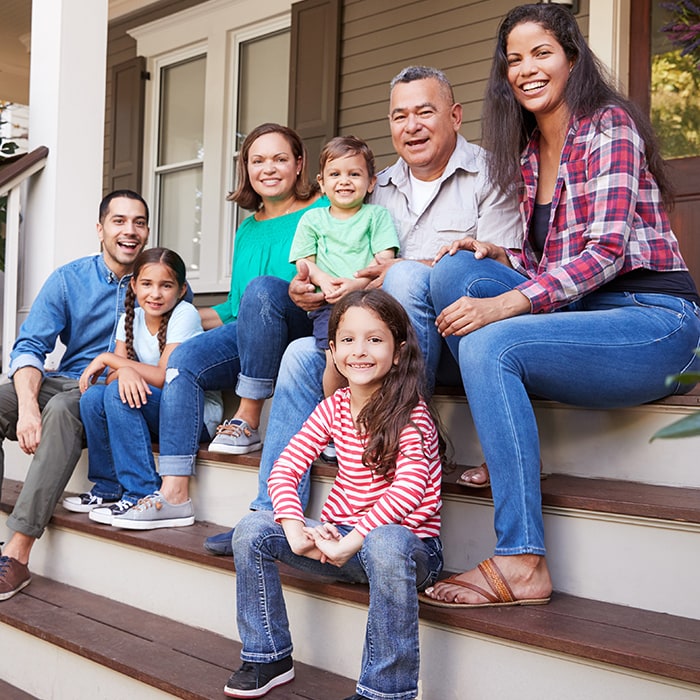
(606, 350)
(120, 456)
(244, 355)
(395, 563)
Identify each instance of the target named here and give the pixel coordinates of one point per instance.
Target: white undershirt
(421, 192)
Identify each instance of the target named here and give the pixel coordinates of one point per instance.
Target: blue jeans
(394, 562)
(120, 455)
(408, 281)
(299, 390)
(244, 354)
(606, 350)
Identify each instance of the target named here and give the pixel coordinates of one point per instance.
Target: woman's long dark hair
(507, 126)
(244, 195)
(388, 411)
(170, 259)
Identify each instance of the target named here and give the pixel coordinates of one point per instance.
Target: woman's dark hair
(388, 411)
(244, 195)
(507, 126)
(170, 259)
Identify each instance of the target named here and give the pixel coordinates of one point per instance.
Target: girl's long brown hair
(388, 411)
(170, 259)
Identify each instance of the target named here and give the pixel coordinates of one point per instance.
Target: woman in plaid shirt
(596, 310)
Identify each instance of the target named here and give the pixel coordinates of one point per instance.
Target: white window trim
(216, 29)
(150, 151)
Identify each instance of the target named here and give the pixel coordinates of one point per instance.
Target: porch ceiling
(15, 33)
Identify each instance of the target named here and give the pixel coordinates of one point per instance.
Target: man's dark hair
(129, 194)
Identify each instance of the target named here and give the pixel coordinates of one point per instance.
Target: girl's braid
(129, 302)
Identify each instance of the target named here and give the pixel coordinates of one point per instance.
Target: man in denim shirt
(79, 304)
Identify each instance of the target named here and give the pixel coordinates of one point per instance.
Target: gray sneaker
(153, 512)
(235, 437)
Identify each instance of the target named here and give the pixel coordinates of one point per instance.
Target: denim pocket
(676, 305)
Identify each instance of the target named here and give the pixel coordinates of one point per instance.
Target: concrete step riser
(593, 443)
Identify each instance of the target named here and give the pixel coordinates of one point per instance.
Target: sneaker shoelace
(233, 429)
(153, 500)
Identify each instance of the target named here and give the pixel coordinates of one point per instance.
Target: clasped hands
(322, 542)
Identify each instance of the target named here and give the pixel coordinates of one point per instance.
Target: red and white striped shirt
(409, 495)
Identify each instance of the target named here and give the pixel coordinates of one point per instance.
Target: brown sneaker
(14, 576)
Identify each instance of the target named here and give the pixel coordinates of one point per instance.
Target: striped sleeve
(296, 459)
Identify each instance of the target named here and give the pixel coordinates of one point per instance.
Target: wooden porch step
(9, 692)
(638, 640)
(558, 490)
(175, 658)
(692, 398)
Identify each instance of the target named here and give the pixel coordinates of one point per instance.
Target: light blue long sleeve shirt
(80, 303)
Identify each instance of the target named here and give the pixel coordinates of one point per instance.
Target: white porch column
(609, 35)
(67, 105)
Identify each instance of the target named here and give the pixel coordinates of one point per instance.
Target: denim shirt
(464, 204)
(80, 304)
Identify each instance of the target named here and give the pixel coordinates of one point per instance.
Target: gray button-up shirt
(464, 204)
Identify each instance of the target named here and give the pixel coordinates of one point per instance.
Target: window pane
(675, 91)
(263, 82)
(180, 225)
(182, 112)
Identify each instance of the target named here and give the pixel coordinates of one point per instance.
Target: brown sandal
(502, 595)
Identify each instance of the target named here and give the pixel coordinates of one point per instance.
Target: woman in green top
(244, 342)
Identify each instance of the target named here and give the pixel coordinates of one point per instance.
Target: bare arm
(302, 291)
(27, 381)
(210, 319)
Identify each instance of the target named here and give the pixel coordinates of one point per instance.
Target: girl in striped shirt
(381, 522)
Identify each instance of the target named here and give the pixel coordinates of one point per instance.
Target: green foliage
(690, 425)
(675, 104)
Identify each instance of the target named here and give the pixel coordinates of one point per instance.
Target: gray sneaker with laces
(235, 437)
(153, 512)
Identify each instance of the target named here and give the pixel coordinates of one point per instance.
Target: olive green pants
(62, 441)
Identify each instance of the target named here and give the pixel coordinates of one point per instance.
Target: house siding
(380, 37)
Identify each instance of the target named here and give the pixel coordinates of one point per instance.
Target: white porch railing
(11, 178)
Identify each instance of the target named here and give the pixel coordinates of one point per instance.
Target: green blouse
(261, 248)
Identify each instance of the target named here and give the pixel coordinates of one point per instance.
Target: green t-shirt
(344, 246)
(261, 248)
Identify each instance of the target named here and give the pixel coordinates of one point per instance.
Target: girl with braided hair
(121, 415)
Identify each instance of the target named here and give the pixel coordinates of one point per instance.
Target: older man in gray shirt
(437, 192)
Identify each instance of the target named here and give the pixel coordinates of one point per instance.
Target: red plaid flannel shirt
(607, 217)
